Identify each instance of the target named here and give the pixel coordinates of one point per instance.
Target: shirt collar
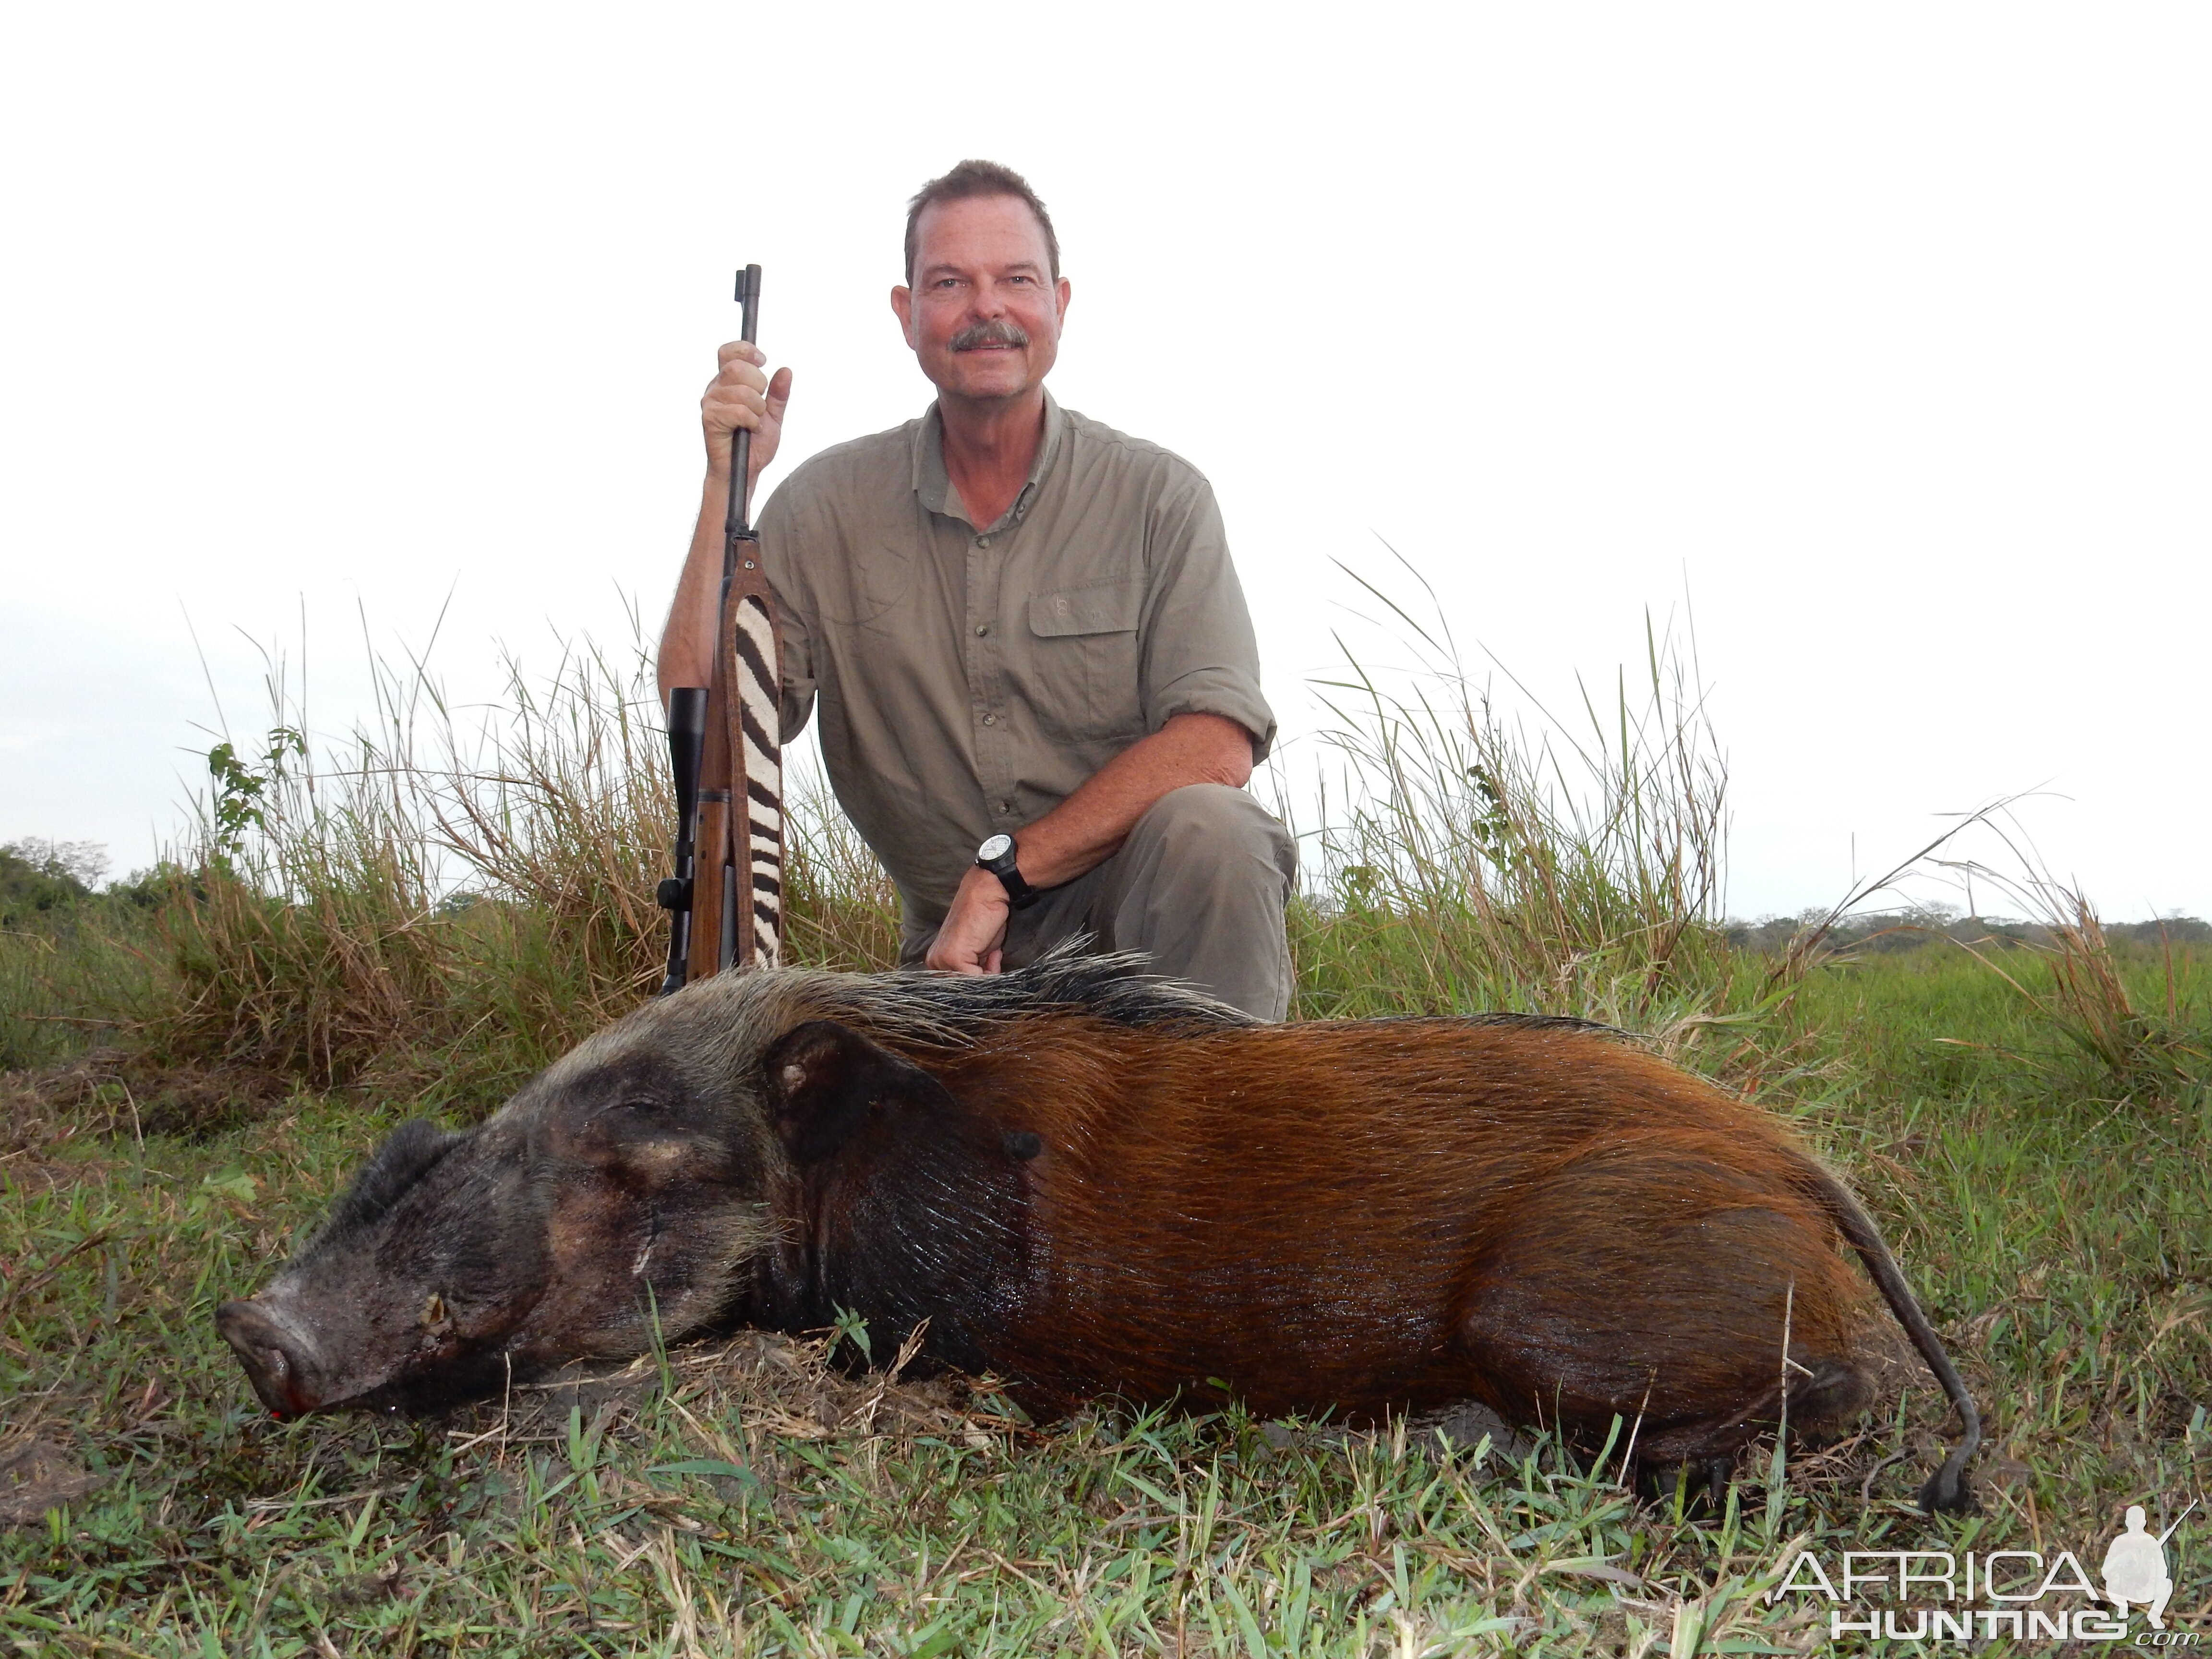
(934, 485)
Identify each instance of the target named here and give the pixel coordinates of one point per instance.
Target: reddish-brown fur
(1095, 1183)
(1374, 1214)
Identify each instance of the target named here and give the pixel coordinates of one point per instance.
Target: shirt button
(982, 628)
(1005, 808)
(982, 541)
(990, 720)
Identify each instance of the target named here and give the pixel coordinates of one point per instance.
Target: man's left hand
(974, 928)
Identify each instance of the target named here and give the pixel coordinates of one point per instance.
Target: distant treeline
(1911, 928)
(38, 875)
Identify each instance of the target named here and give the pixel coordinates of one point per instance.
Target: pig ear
(824, 1079)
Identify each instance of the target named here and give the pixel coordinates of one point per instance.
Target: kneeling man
(1039, 688)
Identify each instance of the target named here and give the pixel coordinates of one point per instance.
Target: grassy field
(195, 1076)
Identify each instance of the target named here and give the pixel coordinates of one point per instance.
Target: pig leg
(1652, 1280)
(1700, 1488)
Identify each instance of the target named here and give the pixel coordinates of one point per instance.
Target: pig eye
(433, 1310)
(616, 1115)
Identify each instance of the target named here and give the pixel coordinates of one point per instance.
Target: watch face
(997, 847)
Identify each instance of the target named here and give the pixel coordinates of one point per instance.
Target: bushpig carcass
(1094, 1182)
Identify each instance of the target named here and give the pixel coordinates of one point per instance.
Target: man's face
(983, 315)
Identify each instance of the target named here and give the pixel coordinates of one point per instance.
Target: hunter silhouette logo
(1934, 1595)
(2135, 1568)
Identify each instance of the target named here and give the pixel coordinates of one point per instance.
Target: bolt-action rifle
(726, 749)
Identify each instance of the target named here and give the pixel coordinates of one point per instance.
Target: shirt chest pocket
(1084, 676)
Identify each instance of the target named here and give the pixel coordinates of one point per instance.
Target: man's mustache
(999, 333)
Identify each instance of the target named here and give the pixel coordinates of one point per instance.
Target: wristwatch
(997, 855)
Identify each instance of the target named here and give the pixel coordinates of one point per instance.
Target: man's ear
(902, 303)
(824, 1079)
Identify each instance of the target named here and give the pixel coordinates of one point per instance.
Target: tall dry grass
(72, 979)
(1470, 862)
(445, 898)
(441, 900)
(2140, 1054)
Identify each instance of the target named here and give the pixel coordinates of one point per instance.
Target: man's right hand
(742, 395)
(974, 931)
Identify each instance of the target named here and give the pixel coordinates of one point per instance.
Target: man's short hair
(977, 178)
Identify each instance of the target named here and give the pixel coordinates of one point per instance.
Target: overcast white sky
(1881, 330)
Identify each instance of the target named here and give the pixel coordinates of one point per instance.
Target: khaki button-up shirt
(971, 679)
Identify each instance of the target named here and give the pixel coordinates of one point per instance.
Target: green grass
(414, 924)
(70, 977)
(752, 1499)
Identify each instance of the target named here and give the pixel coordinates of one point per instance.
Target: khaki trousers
(1199, 886)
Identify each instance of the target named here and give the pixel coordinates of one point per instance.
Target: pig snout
(278, 1356)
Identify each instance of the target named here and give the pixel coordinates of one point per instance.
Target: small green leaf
(706, 1466)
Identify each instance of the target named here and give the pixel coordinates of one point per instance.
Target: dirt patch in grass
(35, 1475)
(128, 1094)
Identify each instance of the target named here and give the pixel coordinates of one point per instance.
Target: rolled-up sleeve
(782, 556)
(1200, 656)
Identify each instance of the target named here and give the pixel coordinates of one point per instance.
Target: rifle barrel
(736, 522)
(2176, 1527)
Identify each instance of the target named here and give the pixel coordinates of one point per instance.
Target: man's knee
(1211, 822)
(1201, 885)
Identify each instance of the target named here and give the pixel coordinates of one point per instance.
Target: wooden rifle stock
(726, 910)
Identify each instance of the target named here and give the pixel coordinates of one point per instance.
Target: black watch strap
(997, 855)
